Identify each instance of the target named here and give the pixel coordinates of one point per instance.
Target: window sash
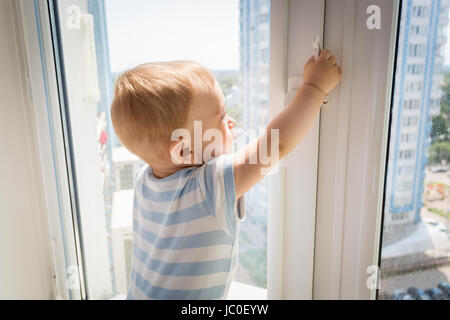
(353, 147)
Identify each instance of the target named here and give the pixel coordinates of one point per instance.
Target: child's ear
(179, 152)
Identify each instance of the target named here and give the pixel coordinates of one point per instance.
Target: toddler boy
(188, 201)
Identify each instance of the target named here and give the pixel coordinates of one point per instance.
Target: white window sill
(242, 291)
(237, 291)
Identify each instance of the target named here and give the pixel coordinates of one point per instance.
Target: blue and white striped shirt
(185, 232)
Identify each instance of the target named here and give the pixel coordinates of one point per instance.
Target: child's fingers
(310, 60)
(324, 54)
(332, 60)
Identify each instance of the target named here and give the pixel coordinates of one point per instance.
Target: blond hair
(153, 99)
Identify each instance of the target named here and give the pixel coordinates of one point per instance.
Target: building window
(415, 68)
(408, 137)
(420, 11)
(417, 50)
(406, 154)
(411, 104)
(401, 215)
(410, 121)
(419, 30)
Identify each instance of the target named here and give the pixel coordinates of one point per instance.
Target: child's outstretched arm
(293, 123)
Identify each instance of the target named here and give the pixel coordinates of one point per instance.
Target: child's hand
(291, 125)
(323, 73)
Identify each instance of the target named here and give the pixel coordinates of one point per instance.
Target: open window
(382, 217)
(96, 41)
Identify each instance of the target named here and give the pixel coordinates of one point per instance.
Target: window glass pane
(415, 250)
(101, 39)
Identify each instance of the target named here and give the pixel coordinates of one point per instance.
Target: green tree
(438, 151)
(445, 100)
(440, 147)
(227, 79)
(439, 126)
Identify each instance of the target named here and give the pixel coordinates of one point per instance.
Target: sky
(141, 31)
(206, 31)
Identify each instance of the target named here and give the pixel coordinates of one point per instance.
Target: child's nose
(231, 122)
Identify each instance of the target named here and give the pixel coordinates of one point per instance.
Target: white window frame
(291, 222)
(353, 147)
(34, 33)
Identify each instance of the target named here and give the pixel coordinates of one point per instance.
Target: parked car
(439, 169)
(445, 287)
(418, 294)
(399, 294)
(436, 294)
